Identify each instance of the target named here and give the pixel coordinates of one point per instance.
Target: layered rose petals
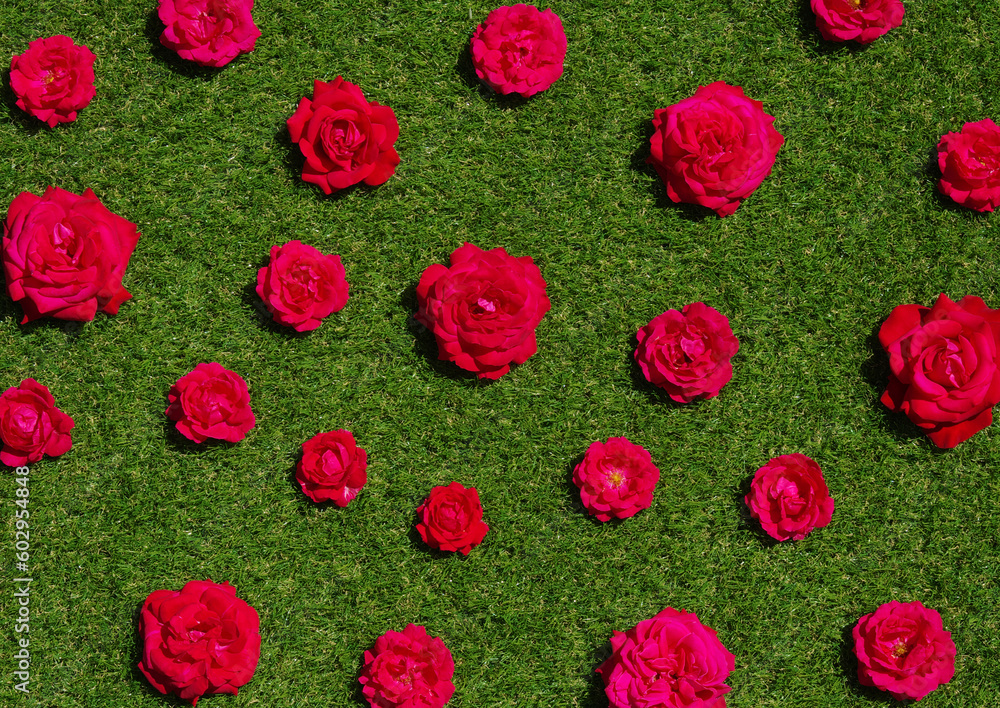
(53, 79)
(451, 519)
(861, 20)
(616, 479)
(332, 468)
(31, 425)
(211, 402)
(408, 669)
(301, 286)
(208, 32)
(519, 49)
(970, 165)
(789, 497)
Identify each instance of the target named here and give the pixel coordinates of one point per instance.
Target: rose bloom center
(900, 650)
(616, 477)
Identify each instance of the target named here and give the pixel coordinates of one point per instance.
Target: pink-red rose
(332, 468)
(484, 309)
(211, 402)
(670, 660)
(943, 364)
(688, 353)
(902, 648)
(64, 255)
(345, 138)
(715, 148)
(789, 497)
(53, 79)
(409, 669)
(519, 49)
(31, 425)
(451, 519)
(616, 479)
(208, 32)
(301, 286)
(199, 641)
(970, 165)
(861, 20)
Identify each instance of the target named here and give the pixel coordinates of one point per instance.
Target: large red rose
(332, 468)
(451, 519)
(408, 669)
(53, 79)
(31, 425)
(199, 641)
(484, 309)
(345, 138)
(715, 148)
(789, 497)
(688, 353)
(670, 660)
(861, 20)
(301, 286)
(208, 32)
(616, 479)
(64, 255)
(970, 165)
(519, 49)
(944, 366)
(211, 402)
(902, 648)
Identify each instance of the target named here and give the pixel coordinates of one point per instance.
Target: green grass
(848, 226)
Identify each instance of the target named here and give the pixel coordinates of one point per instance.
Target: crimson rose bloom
(970, 165)
(410, 669)
(861, 20)
(451, 519)
(902, 648)
(484, 309)
(208, 32)
(519, 49)
(53, 79)
(715, 148)
(345, 138)
(301, 286)
(31, 425)
(332, 468)
(789, 497)
(211, 402)
(616, 479)
(670, 660)
(64, 255)
(688, 353)
(199, 641)
(944, 366)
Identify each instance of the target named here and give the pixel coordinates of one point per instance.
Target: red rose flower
(208, 32)
(410, 669)
(53, 79)
(332, 468)
(616, 479)
(211, 402)
(715, 148)
(451, 519)
(519, 49)
(789, 497)
(199, 641)
(944, 366)
(301, 286)
(861, 20)
(484, 309)
(670, 660)
(902, 648)
(31, 425)
(970, 165)
(688, 353)
(64, 255)
(345, 138)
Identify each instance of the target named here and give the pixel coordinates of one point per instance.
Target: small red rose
(53, 79)
(301, 286)
(902, 648)
(970, 165)
(202, 640)
(31, 425)
(714, 148)
(211, 402)
(616, 479)
(208, 32)
(345, 138)
(451, 519)
(409, 669)
(860, 20)
(519, 49)
(332, 468)
(789, 497)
